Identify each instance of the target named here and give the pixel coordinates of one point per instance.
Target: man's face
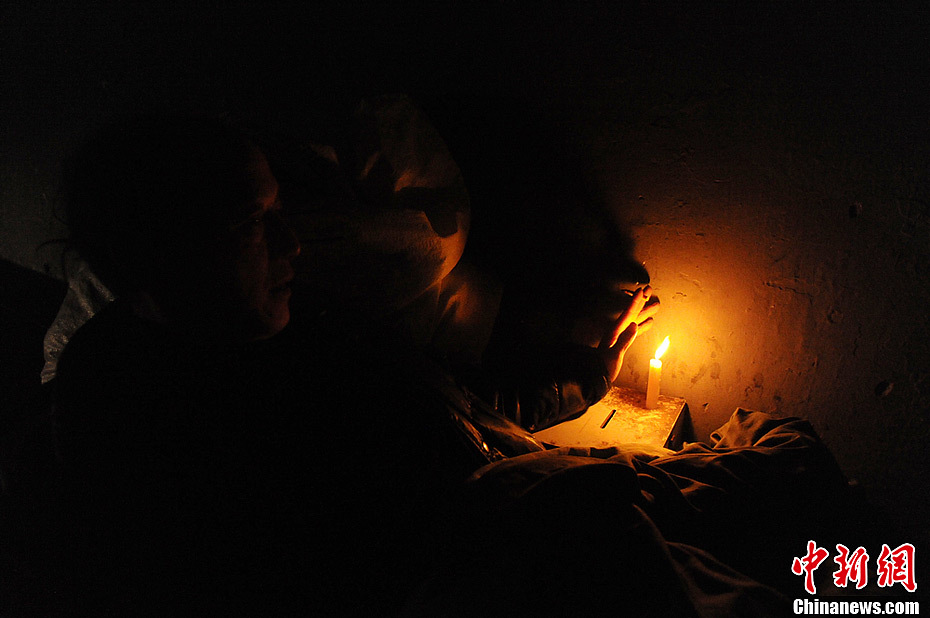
(251, 261)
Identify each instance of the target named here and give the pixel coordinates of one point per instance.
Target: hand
(620, 335)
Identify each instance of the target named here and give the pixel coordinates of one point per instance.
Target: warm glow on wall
(746, 326)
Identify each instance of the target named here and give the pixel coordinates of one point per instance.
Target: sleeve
(536, 395)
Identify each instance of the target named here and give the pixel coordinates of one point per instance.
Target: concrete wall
(787, 236)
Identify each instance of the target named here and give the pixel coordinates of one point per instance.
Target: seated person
(173, 450)
(729, 499)
(435, 335)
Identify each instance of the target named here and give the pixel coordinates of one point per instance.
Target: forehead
(261, 185)
(252, 185)
(252, 180)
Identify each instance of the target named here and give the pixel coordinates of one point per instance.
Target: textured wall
(789, 247)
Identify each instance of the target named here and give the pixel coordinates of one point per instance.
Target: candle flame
(662, 348)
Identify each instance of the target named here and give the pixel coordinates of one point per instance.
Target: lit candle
(655, 376)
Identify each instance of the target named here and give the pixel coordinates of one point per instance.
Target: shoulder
(114, 364)
(108, 342)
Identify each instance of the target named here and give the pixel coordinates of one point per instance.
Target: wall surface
(789, 246)
(770, 161)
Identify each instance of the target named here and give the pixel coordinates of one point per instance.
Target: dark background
(769, 159)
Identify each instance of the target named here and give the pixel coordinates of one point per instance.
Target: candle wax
(652, 385)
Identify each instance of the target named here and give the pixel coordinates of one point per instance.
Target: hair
(150, 187)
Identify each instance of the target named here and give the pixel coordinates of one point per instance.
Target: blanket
(703, 532)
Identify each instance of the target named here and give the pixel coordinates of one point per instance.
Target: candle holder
(620, 418)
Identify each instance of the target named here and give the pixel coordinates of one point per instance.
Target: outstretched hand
(618, 338)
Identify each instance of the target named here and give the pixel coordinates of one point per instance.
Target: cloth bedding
(690, 533)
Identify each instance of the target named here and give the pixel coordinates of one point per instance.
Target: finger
(633, 311)
(626, 338)
(651, 308)
(644, 326)
(626, 318)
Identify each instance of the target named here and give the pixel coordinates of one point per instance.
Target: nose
(282, 241)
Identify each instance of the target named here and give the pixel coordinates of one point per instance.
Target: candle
(655, 376)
